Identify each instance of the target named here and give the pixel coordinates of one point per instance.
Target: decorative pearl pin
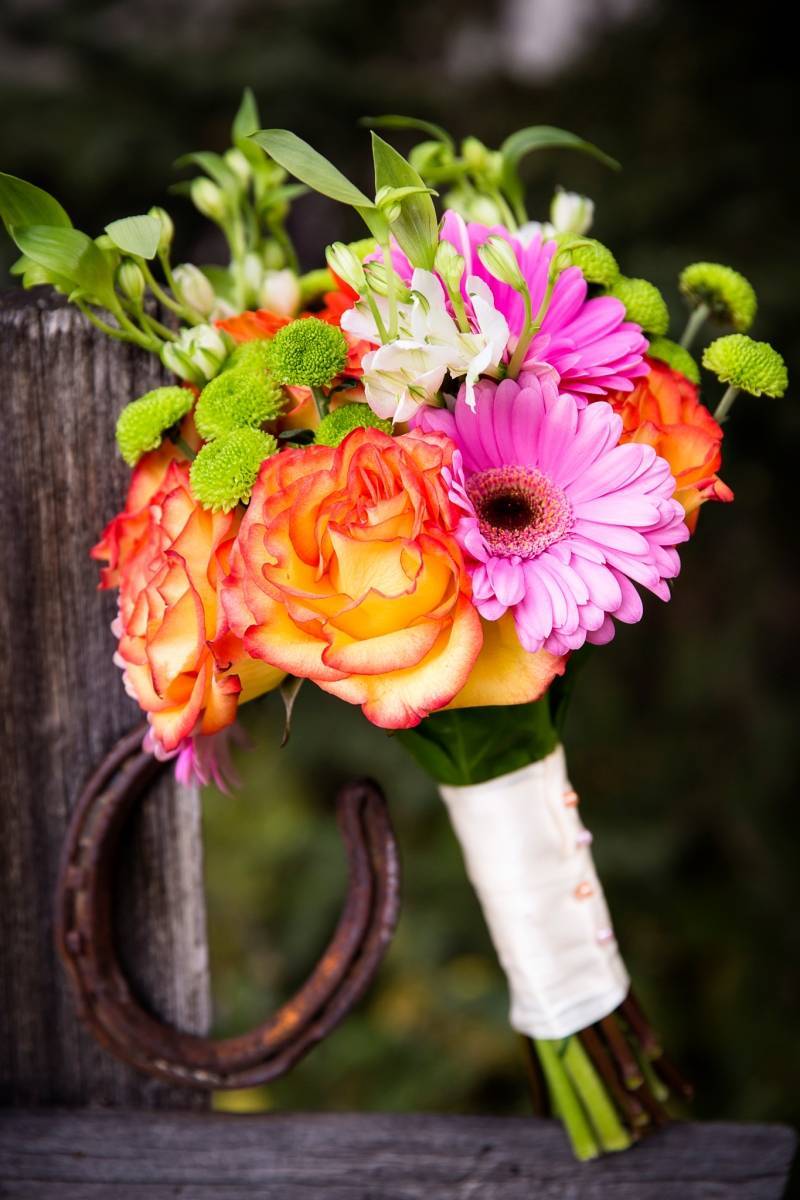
(583, 891)
(571, 798)
(584, 838)
(605, 935)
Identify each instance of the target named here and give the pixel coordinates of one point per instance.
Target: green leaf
(214, 166)
(247, 119)
(310, 167)
(136, 235)
(546, 137)
(416, 229)
(23, 204)
(541, 137)
(394, 121)
(469, 745)
(70, 255)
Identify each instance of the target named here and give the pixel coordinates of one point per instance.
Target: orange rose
(664, 410)
(167, 555)
(346, 572)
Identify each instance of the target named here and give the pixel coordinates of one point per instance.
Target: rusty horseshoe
(106, 1004)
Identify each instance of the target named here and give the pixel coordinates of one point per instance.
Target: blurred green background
(683, 736)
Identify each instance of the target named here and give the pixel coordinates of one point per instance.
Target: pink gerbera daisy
(588, 343)
(558, 518)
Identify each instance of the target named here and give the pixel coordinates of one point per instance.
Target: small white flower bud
(498, 256)
(571, 213)
(253, 271)
(280, 292)
(130, 280)
(167, 227)
(208, 199)
(194, 289)
(197, 355)
(239, 165)
(346, 265)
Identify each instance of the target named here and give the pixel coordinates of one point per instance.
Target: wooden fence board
(63, 709)
(137, 1155)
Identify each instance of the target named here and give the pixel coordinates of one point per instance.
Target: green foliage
(335, 426)
(675, 356)
(730, 297)
(142, 424)
(539, 137)
(246, 395)
(307, 164)
(469, 745)
(70, 255)
(417, 227)
(753, 367)
(307, 353)
(23, 204)
(643, 302)
(224, 472)
(139, 236)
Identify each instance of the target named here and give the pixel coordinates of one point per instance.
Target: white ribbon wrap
(527, 855)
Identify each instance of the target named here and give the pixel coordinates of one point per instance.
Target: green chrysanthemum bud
(593, 258)
(245, 396)
(224, 472)
(675, 356)
(335, 427)
(750, 366)
(142, 423)
(308, 353)
(728, 295)
(255, 355)
(643, 302)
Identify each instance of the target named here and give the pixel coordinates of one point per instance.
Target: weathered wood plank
(63, 709)
(125, 1156)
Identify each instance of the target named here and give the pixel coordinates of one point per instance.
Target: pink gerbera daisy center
(519, 510)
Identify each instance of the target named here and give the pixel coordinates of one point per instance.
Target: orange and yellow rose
(346, 572)
(167, 555)
(664, 410)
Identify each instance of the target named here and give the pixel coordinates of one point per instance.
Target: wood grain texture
(126, 1156)
(63, 709)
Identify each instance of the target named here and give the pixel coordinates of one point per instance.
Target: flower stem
(694, 324)
(566, 1102)
(182, 310)
(321, 401)
(589, 1087)
(528, 330)
(725, 404)
(391, 288)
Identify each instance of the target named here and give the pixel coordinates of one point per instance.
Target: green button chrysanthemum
(335, 427)
(674, 356)
(643, 302)
(244, 396)
(751, 366)
(307, 353)
(253, 354)
(729, 297)
(142, 424)
(594, 259)
(224, 472)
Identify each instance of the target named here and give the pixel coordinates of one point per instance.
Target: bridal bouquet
(427, 477)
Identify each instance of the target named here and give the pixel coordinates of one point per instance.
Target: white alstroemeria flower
(470, 354)
(402, 376)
